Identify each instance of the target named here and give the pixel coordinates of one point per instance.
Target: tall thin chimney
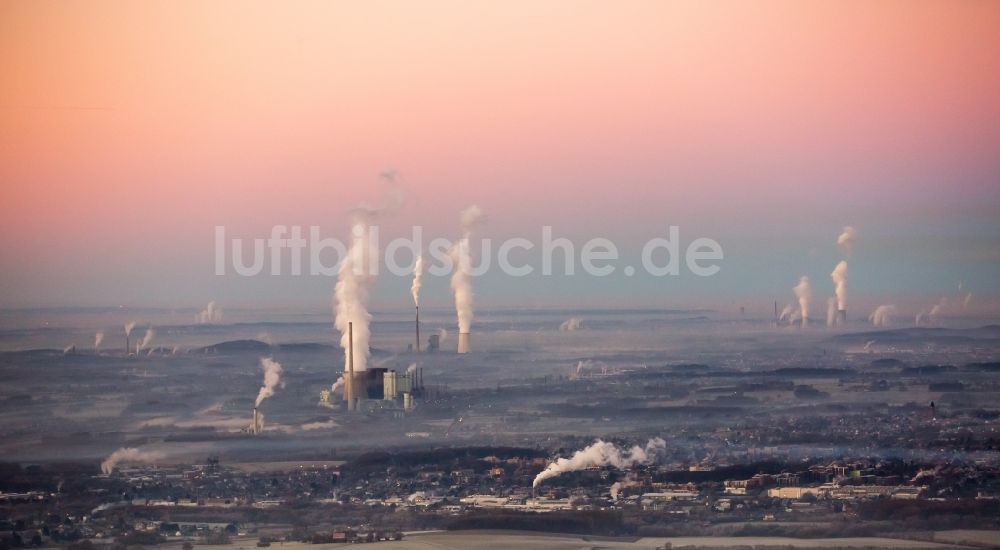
(126, 345)
(350, 367)
(464, 344)
(841, 317)
(418, 329)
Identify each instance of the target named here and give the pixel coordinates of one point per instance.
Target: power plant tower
(418, 329)
(126, 344)
(464, 344)
(841, 317)
(255, 423)
(349, 375)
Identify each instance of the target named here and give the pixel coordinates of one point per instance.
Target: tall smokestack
(841, 317)
(349, 393)
(418, 329)
(464, 345)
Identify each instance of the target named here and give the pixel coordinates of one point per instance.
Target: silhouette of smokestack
(464, 344)
(418, 329)
(841, 317)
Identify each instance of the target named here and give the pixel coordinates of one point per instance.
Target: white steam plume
(418, 275)
(882, 316)
(831, 311)
(129, 327)
(129, 454)
(839, 277)
(845, 241)
(147, 338)
(351, 296)
(786, 313)
(272, 377)
(412, 368)
(211, 314)
(357, 274)
(804, 293)
(572, 324)
(98, 338)
(461, 279)
(338, 385)
(442, 335)
(602, 453)
(967, 300)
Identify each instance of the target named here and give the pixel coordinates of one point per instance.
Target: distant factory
(380, 388)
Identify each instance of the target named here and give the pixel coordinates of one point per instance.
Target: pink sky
(129, 129)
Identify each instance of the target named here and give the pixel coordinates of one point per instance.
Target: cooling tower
(841, 317)
(255, 422)
(464, 345)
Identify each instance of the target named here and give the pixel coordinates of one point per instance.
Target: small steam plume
(129, 327)
(839, 277)
(418, 275)
(69, 349)
(603, 453)
(868, 346)
(572, 324)
(357, 275)
(272, 377)
(882, 316)
(831, 311)
(412, 368)
(585, 365)
(211, 314)
(129, 454)
(338, 385)
(98, 338)
(461, 282)
(845, 241)
(931, 317)
(787, 314)
(804, 293)
(967, 300)
(147, 338)
(442, 335)
(616, 488)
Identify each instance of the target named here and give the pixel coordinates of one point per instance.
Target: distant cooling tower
(464, 344)
(255, 424)
(841, 317)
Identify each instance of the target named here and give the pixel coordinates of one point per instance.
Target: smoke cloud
(839, 277)
(602, 453)
(804, 293)
(845, 241)
(461, 281)
(129, 327)
(882, 316)
(571, 324)
(147, 338)
(211, 314)
(418, 275)
(786, 313)
(272, 377)
(357, 275)
(129, 454)
(98, 338)
(338, 385)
